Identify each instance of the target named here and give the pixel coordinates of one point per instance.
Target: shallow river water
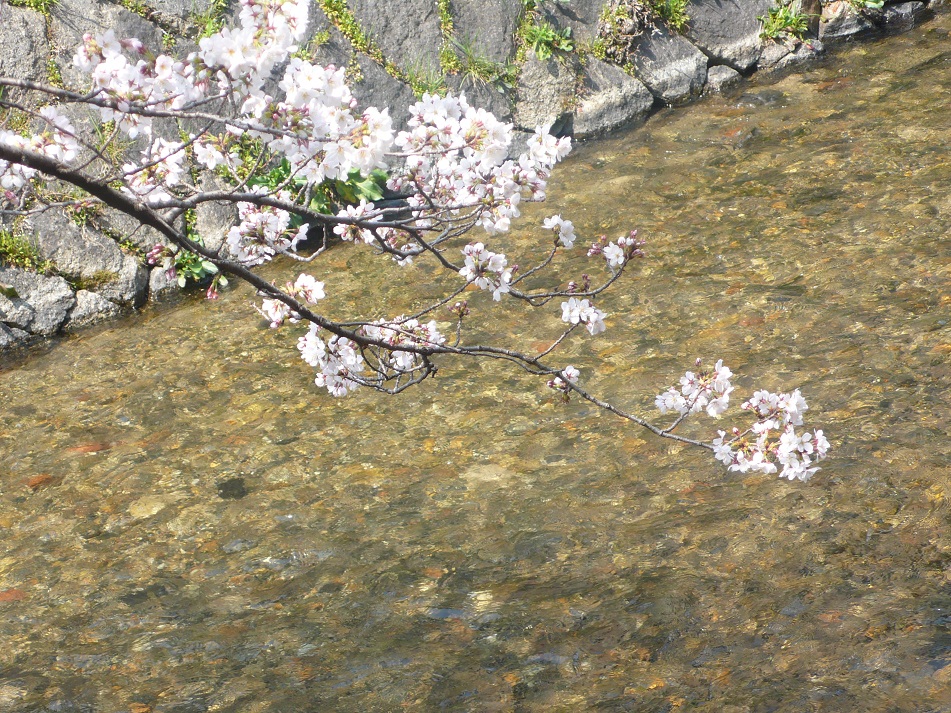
(187, 524)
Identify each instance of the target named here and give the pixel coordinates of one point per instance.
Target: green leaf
(209, 267)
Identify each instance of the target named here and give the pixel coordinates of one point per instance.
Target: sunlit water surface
(189, 525)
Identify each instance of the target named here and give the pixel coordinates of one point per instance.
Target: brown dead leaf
(38, 481)
(90, 447)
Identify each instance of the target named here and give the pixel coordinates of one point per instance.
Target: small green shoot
(43, 7)
(673, 12)
(423, 79)
(477, 70)
(543, 39)
(16, 250)
(211, 20)
(782, 22)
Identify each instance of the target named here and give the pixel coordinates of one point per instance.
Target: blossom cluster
(350, 231)
(769, 443)
(322, 137)
(340, 364)
(238, 60)
(576, 311)
(337, 360)
(487, 270)
(262, 232)
(773, 435)
(456, 160)
(698, 391)
(55, 140)
(161, 169)
(305, 288)
(620, 252)
(315, 126)
(564, 230)
(568, 375)
(404, 332)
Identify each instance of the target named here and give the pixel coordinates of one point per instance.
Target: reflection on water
(188, 525)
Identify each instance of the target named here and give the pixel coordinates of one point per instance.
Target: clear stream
(189, 525)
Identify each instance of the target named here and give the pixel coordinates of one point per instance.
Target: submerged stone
(232, 489)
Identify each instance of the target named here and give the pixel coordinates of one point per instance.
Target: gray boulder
(86, 254)
(406, 30)
(336, 49)
(903, 16)
(89, 309)
(11, 336)
(721, 78)
(214, 220)
(812, 9)
(672, 68)
(840, 21)
(41, 305)
(728, 30)
(580, 15)
(545, 91)
(487, 28)
(160, 285)
(791, 54)
(611, 98)
(180, 9)
(128, 230)
(23, 46)
(379, 89)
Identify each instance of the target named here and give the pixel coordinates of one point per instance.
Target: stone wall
(617, 71)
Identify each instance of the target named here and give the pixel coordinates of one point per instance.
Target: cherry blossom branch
(457, 177)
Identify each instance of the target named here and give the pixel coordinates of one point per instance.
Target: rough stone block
(23, 46)
(381, 90)
(214, 220)
(181, 9)
(406, 30)
(88, 254)
(812, 9)
(728, 30)
(160, 285)
(840, 21)
(672, 68)
(580, 15)
(488, 27)
(337, 50)
(903, 16)
(89, 309)
(11, 336)
(612, 98)
(797, 54)
(721, 78)
(545, 91)
(126, 228)
(42, 304)
(774, 52)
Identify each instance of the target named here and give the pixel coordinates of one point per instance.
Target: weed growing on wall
(17, 250)
(783, 21)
